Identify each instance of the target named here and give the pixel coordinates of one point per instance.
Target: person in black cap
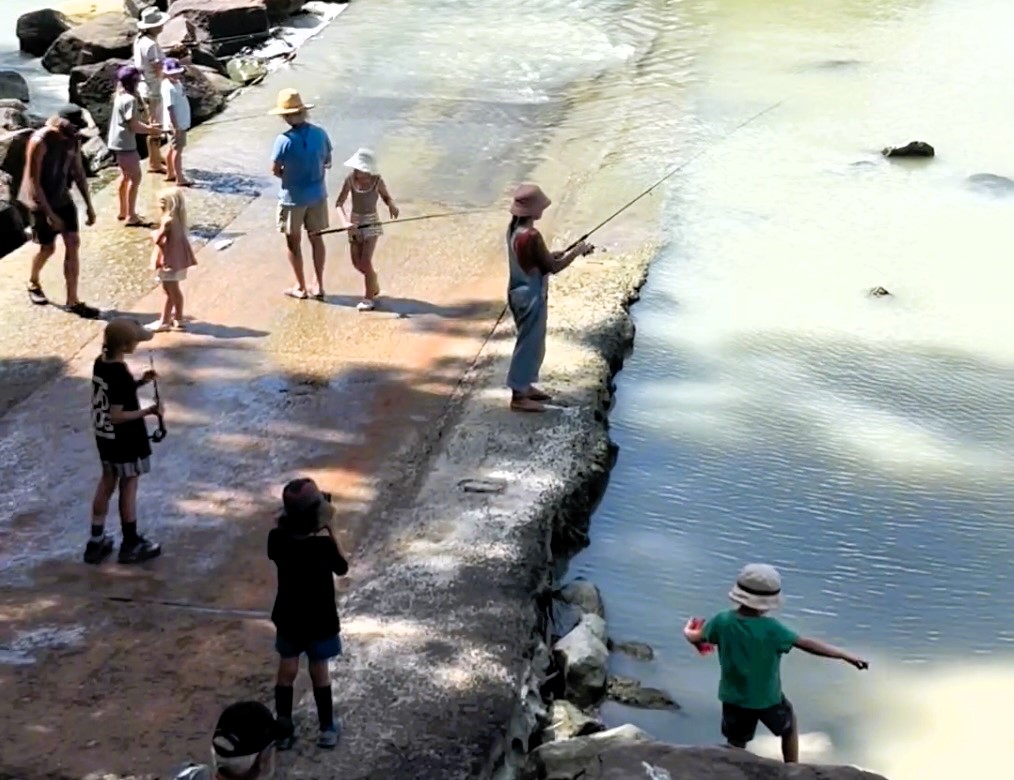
(243, 747)
(52, 163)
(307, 554)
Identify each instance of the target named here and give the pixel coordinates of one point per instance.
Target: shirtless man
(53, 161)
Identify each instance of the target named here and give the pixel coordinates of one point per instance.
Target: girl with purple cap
(124, 126)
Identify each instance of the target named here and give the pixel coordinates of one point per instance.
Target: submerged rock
(878, 292)
(626, 690)
(37, 30)
(569, 759)
(13, 86)
(584, 595)
(991, 183)
(567, 721)
(105, 37)
(911, 149)
(582, 657)
(639, 650)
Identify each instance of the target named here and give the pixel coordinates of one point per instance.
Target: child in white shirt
(176, 119)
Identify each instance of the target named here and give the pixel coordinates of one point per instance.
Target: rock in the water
(913, 149)
(13, 86)
(105, 37)
(653, 760)
(878, 292)
(582, 656)
(626, 690)
(225, 26)
(567, 721)
(37, 30)
(991, 183)
(584, 595)
(568, 758)
(92, 88)
(12, 215)
(639, 650)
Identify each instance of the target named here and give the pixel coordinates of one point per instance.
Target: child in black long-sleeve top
(307, 554)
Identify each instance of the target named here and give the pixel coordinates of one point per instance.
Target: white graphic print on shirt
(100, 409)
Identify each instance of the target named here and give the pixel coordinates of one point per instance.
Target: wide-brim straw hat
(364, 160)
(289, 101)
(529, 201)
(758, 587)
(151, 18)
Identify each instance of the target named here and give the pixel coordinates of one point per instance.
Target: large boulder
(567, 721)
(224, 85)
(13, 86)
(12, 215)
(96, 155)
(92, 88)
(567, 759)
(37, 30)
(652, 760)
(133, 8)
(280, 9)
(108, 36)
(582, 656)
(205, 98)
(225, 26)
(13, 149)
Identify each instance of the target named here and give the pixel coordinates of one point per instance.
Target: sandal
(139, 222)
(295, 292)
(36, 295)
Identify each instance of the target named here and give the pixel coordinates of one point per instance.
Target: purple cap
(128, 74)
(173, 67)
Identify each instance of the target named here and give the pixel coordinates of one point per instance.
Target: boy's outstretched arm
(816, 647)
(694, 631)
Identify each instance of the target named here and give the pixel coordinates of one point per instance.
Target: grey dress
(527, 299)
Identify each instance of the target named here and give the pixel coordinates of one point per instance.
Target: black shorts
(43, 232)
(739, 724)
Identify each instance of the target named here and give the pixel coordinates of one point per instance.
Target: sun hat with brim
(758, 587)
(307, 509)
(152, 17)
(529, 201)
(122, 332)
(364, 160)
(244, 731)
(289, 101)
(173, 67)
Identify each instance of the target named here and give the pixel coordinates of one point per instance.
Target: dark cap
(74, 115)
(246, 728)
(307, 508)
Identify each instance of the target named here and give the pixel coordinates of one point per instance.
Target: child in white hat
(750, 649)
(365, 185)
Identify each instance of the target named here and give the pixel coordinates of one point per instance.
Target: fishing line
(673, 172)
(443, 215)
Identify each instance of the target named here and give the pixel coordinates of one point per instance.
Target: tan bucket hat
(289, 101)
(122, 332)
(758, 586)
(529, 200)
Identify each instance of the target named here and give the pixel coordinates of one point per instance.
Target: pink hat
(529, 201)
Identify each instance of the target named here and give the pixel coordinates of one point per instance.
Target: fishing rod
(160, 432)
(672, 173)
(400, 221)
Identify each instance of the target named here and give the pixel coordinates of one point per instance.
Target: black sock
(98, 530)
(283, 701)
(129, 532)
(325, 707)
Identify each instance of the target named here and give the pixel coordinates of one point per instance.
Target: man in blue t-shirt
(300, 158)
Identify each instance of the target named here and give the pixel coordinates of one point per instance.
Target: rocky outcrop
(568, 758)
(225, 26)
(133, 8)
(584, 595)
(912, 149)
(95, 154)
(222, 84)
(92, 88)
(205, 98)
(12, 215)
(279, 9)
(567, 721)
(582, 657)
(37, 30)
(13, 86)
(108, 36)
(626, 690)
(658, 761)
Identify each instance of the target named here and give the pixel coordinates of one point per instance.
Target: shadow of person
(407, 307)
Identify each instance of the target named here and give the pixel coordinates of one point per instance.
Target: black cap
(74, 115)
(245, 729)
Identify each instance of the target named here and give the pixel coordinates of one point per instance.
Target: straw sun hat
(364, 160)
(289, 101)
(759, 587)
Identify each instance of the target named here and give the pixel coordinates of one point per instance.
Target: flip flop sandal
(295, 292)
(36, 295)
(141, 223)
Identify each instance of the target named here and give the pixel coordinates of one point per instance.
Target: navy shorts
(315, 649)
(44, 233)
(739, 724)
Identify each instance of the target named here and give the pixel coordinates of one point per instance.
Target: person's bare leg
(72, 266)
(103, 493)
(39, 260)
(372, 284)
(175, 290)
(128, 500)
(167, 309)
(133, 184)
(293, 245)
(155, 164)
(123, 187)
(181, 179)
(319, 257)
(170, 164)
(790, 743)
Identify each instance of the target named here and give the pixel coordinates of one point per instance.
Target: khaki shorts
(292, 219)
(178, 140)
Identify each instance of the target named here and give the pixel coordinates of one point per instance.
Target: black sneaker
(288, 738)
(97, 550)
(139, 551)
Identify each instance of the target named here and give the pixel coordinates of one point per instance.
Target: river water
(770, 411)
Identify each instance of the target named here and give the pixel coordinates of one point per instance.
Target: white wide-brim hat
(759, 587)
(364, 160)
(152, 17)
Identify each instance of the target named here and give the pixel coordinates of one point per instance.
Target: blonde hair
(174, 208)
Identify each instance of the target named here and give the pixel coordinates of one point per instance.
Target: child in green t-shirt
(750, 649)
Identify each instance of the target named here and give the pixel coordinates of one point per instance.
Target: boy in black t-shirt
(307, 554)
(122, 439)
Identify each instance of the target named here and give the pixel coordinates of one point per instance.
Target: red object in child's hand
(704, 648)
